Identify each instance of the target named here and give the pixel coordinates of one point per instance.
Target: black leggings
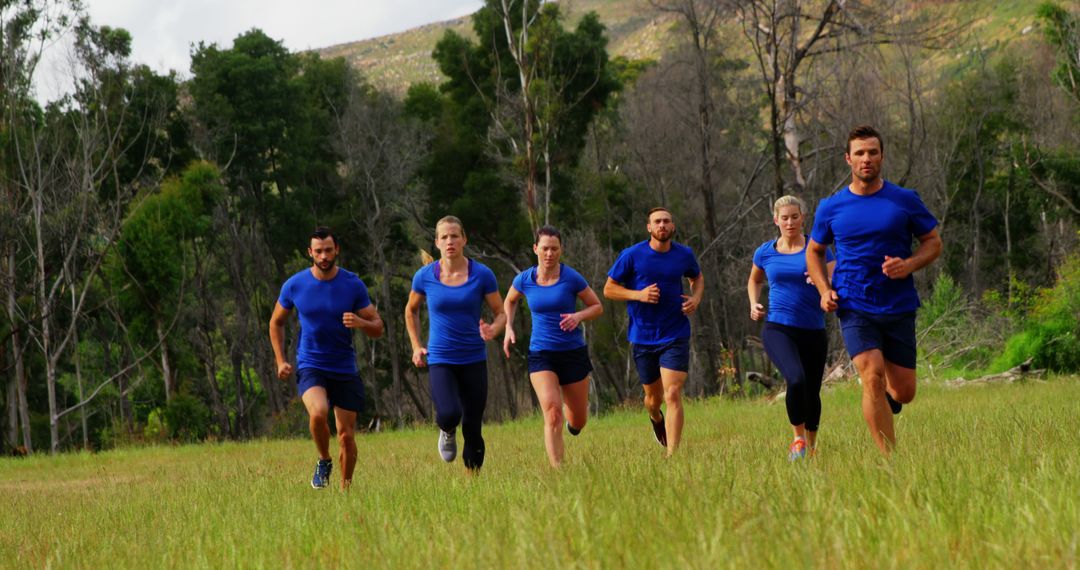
(460, 395)
(799, 354)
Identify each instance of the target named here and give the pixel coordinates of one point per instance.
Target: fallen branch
(1021, 372)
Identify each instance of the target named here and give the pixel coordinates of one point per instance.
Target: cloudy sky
(164, 30)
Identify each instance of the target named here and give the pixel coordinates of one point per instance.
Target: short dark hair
(654, 210)
(548, 231)
(323, 232)
(865, 132)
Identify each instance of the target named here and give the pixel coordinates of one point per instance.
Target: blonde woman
(455, 289)
(794, 330)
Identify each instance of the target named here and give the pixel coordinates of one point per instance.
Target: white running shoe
(447, 446)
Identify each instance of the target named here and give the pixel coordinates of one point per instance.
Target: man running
(330, 301)
(648, 276)
(872, 222)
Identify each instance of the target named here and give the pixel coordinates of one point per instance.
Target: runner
(794, 330)
(559, 363)
(455, 289)
(872, 223)
(648, 276)
(330, 301)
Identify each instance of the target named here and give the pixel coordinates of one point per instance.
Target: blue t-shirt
(792, 301)
(547, 303)
(639, 266)
(866, 229)
(454, 313)
(325, 342)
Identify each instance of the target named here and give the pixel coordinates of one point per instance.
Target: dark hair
(656, 209)
(323, 232)
(548, 231)
(865, 132)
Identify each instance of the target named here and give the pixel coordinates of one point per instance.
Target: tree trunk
(17, 352)
(82, 396)
(166, 365)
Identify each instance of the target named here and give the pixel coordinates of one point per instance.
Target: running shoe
(573, 430)
(447, 446)
(659, 431)
(322, 474)
(797, 450)
(893, 404)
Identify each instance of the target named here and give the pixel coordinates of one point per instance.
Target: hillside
(395, 61)
(636, 30)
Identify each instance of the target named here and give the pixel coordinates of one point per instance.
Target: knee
(553, 415)
(652, 401)
(873, 383)
(673, 395)
(796, 382)
(347, 439)
(449, 419)
(904, 394)
(319, 415)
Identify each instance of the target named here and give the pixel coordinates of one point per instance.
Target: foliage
(1051, 336)
(1063, 32)
(187, 418)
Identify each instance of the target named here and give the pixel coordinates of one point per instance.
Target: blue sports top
(639, 266)
(866, 229)
(454, 313)
(792, 300)
(325, 342)
(547, 303)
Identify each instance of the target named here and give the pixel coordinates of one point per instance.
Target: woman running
(559, 363)
(455, 289)
(794, 330)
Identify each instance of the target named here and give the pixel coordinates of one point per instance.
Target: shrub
(187, 418)
(1051, 335)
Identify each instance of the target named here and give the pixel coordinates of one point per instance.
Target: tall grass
(983, 477)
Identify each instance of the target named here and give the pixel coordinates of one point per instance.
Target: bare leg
(546, 385)
(871, 367)
(318, 408)
(346, 434)
(673, 381)
(654, 397)
(576, 403)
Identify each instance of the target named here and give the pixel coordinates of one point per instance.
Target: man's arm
(366, 319)
(277, 340)
(929, 249)
(697, 291)
(815, 266)
(616, 292)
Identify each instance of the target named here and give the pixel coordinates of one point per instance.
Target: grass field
(984, 477)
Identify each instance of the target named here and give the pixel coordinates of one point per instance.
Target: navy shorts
(650, 358)
(893, 335)
(345, 391)
(569, 365)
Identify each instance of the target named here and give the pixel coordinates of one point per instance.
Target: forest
(148, 220)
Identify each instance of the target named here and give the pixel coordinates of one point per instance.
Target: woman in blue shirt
(559, 363)
(455, 289)
(794, 330)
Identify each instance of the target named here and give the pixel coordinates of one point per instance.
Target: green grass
(984, 477)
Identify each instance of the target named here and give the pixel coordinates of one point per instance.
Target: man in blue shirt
(330, 302)
(872, 222)
(648, 276)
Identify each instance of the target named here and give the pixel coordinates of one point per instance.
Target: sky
(163, 31)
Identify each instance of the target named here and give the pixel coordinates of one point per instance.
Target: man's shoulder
(682, 248)
(302, 276)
